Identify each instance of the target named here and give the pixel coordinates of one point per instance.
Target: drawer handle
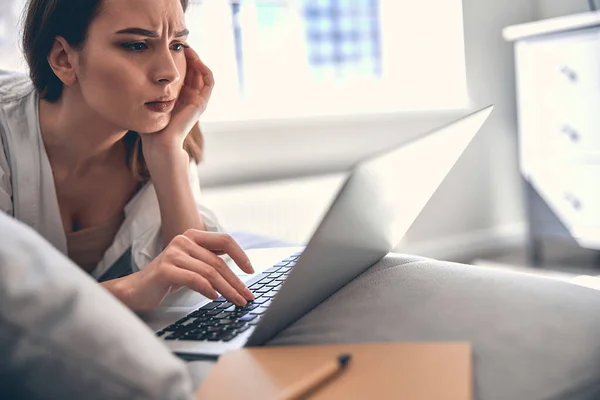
(571, 133)
(573, 201)
(569, 73)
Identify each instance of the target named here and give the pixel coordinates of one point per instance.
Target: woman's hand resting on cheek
(191, 103)
(190, 260)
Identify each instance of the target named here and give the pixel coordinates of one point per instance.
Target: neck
(76, 138)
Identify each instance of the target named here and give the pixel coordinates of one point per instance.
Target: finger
(194, 77)
(214, 278)
(210, 258)
(191, 54)
(207, 78)
(221, 243)
(183, 277)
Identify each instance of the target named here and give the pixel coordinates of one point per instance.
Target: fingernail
(249, 295)
(240, 301)
(249, 265)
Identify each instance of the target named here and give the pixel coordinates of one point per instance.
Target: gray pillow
(63, 336)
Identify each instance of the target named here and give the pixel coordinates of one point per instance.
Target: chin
(149, 127)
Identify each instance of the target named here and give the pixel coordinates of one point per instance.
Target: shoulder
(14, 86)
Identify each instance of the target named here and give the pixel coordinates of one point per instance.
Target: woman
(101, 144)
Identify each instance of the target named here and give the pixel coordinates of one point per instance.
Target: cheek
(113, 89)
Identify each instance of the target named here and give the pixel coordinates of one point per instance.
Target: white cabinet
(558, 91)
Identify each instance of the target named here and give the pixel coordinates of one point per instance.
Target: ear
(62, 60)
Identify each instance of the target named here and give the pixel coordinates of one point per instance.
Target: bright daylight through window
(302, 58)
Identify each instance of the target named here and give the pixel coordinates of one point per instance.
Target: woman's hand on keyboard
(190, 260)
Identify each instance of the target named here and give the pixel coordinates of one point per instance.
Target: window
(342, 38)
(303, 58)
(10, 54)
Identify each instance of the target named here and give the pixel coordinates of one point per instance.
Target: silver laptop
(378, 202)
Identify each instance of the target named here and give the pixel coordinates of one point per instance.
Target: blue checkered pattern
(343, 37)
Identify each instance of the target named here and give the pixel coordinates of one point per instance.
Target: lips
(160, 106)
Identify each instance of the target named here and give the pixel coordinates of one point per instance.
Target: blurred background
(305, 88)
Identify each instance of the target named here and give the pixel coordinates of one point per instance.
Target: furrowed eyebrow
(139, 31)
(146, 32)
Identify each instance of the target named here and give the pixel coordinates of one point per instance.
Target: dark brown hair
(43, 21)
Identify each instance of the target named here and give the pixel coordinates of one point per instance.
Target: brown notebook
(376, 371)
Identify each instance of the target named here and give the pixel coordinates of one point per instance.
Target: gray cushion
(533, 338)
(62, 336)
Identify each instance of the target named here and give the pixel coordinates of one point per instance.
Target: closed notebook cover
(376, 371)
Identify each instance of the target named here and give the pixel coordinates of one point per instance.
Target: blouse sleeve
(6, 204)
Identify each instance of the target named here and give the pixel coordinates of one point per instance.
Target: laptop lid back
(380, 200)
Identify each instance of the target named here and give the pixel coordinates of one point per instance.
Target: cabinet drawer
(571, 128)
(570, 63)
(577, 192)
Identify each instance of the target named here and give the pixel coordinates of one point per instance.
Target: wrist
(119, 288)
(169, 161)
(156, 147)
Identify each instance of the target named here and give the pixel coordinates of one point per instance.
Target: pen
(317, 378)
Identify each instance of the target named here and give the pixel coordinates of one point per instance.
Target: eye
(178, 46)
(139, 46)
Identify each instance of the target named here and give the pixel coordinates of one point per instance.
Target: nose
(165, 70)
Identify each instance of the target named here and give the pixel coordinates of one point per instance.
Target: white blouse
(27, 189)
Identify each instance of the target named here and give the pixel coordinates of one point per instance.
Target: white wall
(480, 197)
(557, 8)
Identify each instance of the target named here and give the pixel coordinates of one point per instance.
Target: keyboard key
(213, 312)
(239, 314)
(220, 300)
(222, 315)
(229, 336)
(243, 328)
(213, 322)
(209, 306)
(174, 336)
(227, 304)
(247, 318)
(261, 300)
(271, 270)
(281, 264)
(188, 322)
(258, 311)
(265, 281)
(194, 336)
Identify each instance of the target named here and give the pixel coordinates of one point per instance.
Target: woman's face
(133, 61)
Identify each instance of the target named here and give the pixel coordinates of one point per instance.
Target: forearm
(117, 288)
(178, 211)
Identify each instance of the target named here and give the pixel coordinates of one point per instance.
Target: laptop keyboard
(221, 320)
